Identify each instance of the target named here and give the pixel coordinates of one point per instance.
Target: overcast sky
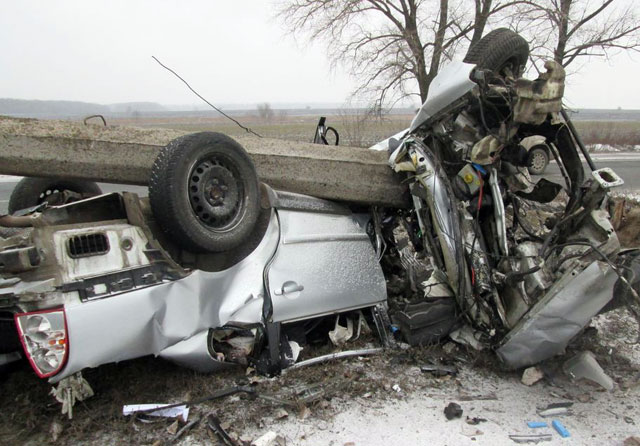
(230, 51)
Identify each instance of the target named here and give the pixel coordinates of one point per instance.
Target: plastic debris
(559, 427)
(340, 334)
(270, 439)
(466, 335)
(556, 409)
(530, 438)
(71, 389)
(162, 410)
(453, 410)
(281, 413)
(531, 376)
(584, 365)
(536, 424)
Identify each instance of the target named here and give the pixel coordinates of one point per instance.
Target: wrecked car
(217, 268)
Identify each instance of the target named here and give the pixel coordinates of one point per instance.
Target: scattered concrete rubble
(531, 375)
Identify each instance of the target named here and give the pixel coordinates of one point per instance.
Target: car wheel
(31, 191)
(204, 192)
(537, 160)
(501, 51)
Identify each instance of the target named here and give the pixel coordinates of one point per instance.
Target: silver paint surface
(449, 85)
(553, 321)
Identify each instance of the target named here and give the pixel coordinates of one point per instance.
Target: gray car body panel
(451, 83)
(326, 261)
(560, 315)
(330, 253)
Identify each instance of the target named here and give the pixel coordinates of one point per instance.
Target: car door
(325, 263)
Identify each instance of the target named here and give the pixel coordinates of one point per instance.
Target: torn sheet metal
(566, 308)
(170, 412)
(162, 320)
(452, 82)
(584, 365)
(538, 98)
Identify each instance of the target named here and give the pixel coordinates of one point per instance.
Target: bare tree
(393, 46)
(265, 112)
(567, 30)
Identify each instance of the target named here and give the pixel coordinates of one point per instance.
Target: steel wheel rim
(538, 160)
(216, 193)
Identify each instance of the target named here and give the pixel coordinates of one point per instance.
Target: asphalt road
(627, 165)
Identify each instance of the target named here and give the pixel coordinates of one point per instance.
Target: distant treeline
(70, 109)
(75, 109)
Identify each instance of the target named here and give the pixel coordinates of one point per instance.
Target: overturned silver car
(216, 268)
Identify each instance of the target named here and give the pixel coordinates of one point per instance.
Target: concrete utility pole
(117, 154)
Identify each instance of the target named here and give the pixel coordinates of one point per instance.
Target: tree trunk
(483, 9)
(563, 30)
(438, 44)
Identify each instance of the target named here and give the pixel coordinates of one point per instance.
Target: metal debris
(556, 409)
(157, 410)
(439, 369)
(329, 357)
(584, 365)
(453, 410)
(530, 438)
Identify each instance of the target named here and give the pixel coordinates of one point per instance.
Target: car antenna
(247, 129)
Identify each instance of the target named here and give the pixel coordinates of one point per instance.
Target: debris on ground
(213, 422)
(453, 410)
(584, 365)
(163, 410)
(270, 439)
(530, 438)
(536, 424)
(556, 409)
(475, 420)
(632, 441)
(71, 389)
(531, 376)
(559, 427)
(471, 432)
(439, 370)
(55, 430)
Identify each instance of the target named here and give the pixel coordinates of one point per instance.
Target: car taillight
(44, 337)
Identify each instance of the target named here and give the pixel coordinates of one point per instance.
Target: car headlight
(44, 337)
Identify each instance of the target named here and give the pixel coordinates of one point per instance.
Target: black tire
(537, 160)
(204, 192)
(501, 51)
(32, 191)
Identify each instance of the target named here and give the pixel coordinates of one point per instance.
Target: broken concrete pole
(117, 154)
